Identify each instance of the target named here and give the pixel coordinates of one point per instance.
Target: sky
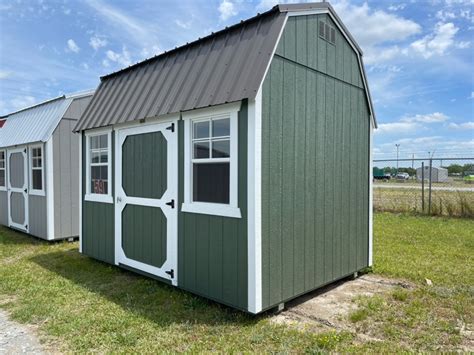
(419, 56)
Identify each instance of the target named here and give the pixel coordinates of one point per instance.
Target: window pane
(99, 179)
(2, 164)
(2, 177)
(94, 142)
(211, 182)
(103, 141)
(201, 129)
(2, 155)
(221, 149)
(221, 128)
(201, 150)
(103, 156)
(95, 157)
(35, 162)
(37, 180)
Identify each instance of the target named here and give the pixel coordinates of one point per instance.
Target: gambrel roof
(226, 66)
(35, 123)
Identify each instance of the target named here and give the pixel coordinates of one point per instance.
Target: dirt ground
(17, 338)
(328, 308)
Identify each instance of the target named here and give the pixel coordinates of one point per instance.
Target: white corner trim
(218, 209)
(254, 196)
(371, 196)
(80, 192)
(50, 188)
(103, 198)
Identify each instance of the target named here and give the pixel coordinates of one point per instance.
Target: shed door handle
(171, 203)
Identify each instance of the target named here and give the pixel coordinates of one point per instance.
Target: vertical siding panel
(354, 163)
(309, 179)
(312, 41)
(340, 41)
(288, 144)
(290, 39)
(216, 261)
(302, 40)
(230, 260)
(299, 181)
(329, 180)
(346, 173)
(331, 59)
(320, 185)
(347, 62)
(275, 269)
(202, 254)
(338, 177)
(322, 56)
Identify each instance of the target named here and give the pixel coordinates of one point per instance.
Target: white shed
(39, 167)
(437, 174)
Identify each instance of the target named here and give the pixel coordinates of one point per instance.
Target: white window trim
(4, 188)
(104, 198)
(33, 191)
(215, 209)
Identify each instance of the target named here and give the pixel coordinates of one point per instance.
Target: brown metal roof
(226, 66)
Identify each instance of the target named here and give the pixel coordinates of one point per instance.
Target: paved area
(329, 307)
(17, 338)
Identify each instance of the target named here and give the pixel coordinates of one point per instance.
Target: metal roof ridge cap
(80, 94)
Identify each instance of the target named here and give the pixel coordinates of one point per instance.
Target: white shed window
(211, 164)
(3, 176)
(98, 171)
(37, 170)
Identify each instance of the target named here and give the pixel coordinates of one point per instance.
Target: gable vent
(327, 32)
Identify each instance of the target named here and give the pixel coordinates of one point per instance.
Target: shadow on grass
(10, 236)
(139, 295)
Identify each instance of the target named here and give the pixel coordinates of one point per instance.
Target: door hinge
(171, 273)
(26, 191)
(26, 227)
(171, 128)
(171, 203)
(25, 150)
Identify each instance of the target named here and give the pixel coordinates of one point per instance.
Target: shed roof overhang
(226, 66)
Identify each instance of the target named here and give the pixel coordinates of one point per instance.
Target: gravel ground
(17, 338)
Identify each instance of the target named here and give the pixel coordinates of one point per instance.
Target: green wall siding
(315, 135)
(97, 221)
(212, 258)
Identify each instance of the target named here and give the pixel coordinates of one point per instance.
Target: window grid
(99, 157)
(37, 168)
(210, 139)
(2, 169)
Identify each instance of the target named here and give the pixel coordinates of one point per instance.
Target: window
(36, 176)
(211, 161)
(98, 173)
(3, 175)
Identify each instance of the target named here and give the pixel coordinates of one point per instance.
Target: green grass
(82, 305)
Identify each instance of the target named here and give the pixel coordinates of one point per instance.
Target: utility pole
(398, 146)
(413, 160)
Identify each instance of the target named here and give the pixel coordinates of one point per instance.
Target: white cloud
(105, 63)
(151, 51)
(438, 42)
(97, 42)
(374, 28)
(472, 95)
(121, 58)
(72, 46)
(227, 10)
(20, 102)
(264, 5)
(463, 44)
(397, 127)
(137, 29)
(4, 74)
(427, 118)
(445, 15)
(397, 7)
(185, 25)
(85, 66)
(465, 125)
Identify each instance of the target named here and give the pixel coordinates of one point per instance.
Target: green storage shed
(236, 167)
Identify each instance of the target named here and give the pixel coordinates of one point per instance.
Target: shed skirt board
(146, 199)
(18, 189)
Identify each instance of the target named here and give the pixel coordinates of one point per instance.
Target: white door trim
(171, 193)
(23, 190)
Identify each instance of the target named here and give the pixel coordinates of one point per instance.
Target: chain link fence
(435, 186)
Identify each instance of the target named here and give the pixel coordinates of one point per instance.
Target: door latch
(171, 203)
(119, 199)
(171, 273)
(171, 128)
(26, 191)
